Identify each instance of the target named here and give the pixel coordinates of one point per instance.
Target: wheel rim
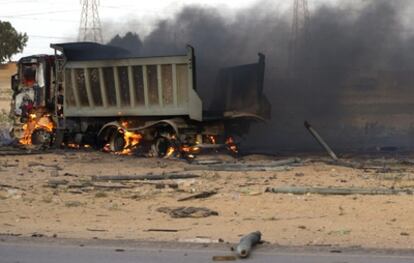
(41, 137)
(117, 142)
(161, 146)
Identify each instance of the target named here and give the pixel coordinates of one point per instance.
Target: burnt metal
(198, 196)
(337, 191)
(319, 139)
(247, 242)
(240, 89)
(148, 177)
(84, 51)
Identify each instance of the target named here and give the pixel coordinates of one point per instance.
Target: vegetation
(11, 41)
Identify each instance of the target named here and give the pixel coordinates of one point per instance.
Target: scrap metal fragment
(247, 242)
(148, 177)
(161, 230)
(186, 212)
(198, 196)
(338, 191)
(319, 139)
(224, 258)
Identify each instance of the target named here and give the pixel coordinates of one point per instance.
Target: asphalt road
(54, 251)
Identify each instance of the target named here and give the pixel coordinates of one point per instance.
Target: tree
(11, 42)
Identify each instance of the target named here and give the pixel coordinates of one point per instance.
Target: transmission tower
(90, 23)
(299, 31)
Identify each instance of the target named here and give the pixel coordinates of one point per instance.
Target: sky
(52, 21)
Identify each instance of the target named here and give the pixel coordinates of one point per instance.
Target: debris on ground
(247, 242)
(224, 258)
(198, 196)
(321, 141)
(188, 212)
(162, 230)
(149, 177)
(337, 191)
(60, 197)
(280, 165)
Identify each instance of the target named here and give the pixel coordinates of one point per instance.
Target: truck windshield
(29, 74)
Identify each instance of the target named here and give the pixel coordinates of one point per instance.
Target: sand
(28, 205)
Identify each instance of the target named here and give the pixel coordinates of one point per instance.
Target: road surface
(40, 250)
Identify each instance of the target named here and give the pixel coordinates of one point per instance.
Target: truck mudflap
(239, 91)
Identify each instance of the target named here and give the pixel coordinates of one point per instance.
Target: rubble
(198, 196)
(149, 177)
(185, 212)
(338, 191)
(273, 166)
(238, 197)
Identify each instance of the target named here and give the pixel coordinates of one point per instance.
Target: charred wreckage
(88, 94)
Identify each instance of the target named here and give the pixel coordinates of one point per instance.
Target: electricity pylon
(90, 24)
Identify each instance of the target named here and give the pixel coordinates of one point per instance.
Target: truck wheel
(117, 142)
(41, 137)
(161, 146)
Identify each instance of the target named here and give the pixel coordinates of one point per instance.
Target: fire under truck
(100, 95)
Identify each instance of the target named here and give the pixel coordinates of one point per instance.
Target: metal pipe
(247, 242)
(319, 139)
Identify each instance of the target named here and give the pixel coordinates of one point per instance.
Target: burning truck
(99, 95)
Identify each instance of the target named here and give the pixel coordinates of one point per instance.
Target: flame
(190, 149)
(131, 139)
(170, 151)
(43, 122)
(231, 145)
(212, 139)
(73, 145)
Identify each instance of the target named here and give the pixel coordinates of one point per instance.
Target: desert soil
(82, 208)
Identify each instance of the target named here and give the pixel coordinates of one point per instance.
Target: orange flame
(132, 139)
(231, 145)
(33, 123)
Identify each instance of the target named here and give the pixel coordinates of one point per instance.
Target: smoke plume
(354, 76)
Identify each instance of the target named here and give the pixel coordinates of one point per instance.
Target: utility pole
(299, 31)
(90, 24)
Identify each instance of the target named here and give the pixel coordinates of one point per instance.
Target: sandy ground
(28, 205)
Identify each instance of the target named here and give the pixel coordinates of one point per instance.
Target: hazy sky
(51, 21)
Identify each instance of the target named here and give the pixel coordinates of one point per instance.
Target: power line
(52, 37)
(38, 19)
(43, 13)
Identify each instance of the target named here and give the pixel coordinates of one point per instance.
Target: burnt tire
(117, 142)
(41, 137)
(161, 146)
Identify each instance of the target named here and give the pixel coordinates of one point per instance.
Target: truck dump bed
(101, 81)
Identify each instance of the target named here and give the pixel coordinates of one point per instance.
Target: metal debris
(149, 177)
(319, 139)
(198, 196)
(247, 242)
(224, 258)
(187, 212)
(338, 191)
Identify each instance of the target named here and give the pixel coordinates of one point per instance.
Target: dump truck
(101, 96)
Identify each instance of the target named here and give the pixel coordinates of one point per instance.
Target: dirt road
(54, 195)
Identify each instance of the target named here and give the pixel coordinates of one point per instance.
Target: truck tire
(116, 141)
(41, 137)
(161, 145)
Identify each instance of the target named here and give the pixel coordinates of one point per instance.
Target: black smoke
(131, 42)
(354, 75)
